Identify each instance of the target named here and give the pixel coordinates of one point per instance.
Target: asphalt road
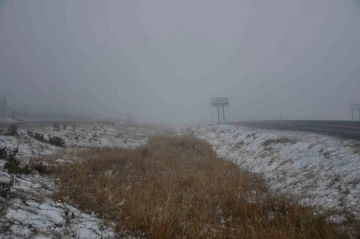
(342, 129)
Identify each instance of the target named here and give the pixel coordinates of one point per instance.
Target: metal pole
(218, 114)
(223, 113)
(352, 114)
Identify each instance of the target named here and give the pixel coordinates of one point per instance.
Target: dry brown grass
(176, 187)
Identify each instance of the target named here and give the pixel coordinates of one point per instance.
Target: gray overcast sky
(163, 60)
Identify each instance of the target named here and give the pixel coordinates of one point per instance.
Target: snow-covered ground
(28, 211)
(320, 170)
(86, 135)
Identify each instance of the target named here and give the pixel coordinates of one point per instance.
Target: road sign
(220, 102)
(354, 106)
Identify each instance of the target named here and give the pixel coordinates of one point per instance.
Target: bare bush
(57, 141)
(5, 188)
(53, 140)
(39, 167)
(239, 145)
(251, 136)
(37, 136)
(56, 126)
(3, 153)
(282, 140)
(12, 130)
(13, 164)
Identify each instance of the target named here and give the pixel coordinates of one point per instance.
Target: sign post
(220, 102)
(354, 107)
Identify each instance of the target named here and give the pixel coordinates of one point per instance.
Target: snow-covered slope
(85, 135)
(28, 211)
(322, 171)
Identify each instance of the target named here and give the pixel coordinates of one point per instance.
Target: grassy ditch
(177, 187)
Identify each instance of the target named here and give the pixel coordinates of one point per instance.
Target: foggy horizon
(162, 61)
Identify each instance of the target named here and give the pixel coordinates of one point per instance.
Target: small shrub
(57, 141)
(12, 154)
(5, 188)
(53, 140)
(327, 154)
(56, 126)
(282, 140)
(239, 145)
(12, 130)
(37, 136)
(13, 164)
(39, 167)
(253, 136)
(3, 153)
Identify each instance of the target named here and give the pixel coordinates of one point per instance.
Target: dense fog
(162, 61)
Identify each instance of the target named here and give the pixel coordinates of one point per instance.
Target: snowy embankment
(321, 171)
(27, 211)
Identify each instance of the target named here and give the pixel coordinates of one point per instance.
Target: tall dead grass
(176, 187)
